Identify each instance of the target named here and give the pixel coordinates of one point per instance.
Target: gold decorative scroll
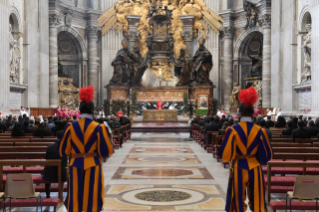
(115, 18)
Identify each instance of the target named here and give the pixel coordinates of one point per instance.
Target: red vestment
(160, 105)
(119, 114)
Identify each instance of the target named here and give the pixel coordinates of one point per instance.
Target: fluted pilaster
(92, 33)
(54, 21)
(265, 21)
(227, 75)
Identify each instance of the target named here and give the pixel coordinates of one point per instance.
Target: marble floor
(162, 172)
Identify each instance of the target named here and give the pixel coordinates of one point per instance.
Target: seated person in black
(288, 130)
(51, 172)
(42, 130)
(313, 131)
(16, 131)
(27, 128)
(301, 132)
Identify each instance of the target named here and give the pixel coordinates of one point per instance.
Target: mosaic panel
(164, 198)
(162, 173)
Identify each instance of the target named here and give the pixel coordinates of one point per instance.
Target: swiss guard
(86, 142)
(246, 146)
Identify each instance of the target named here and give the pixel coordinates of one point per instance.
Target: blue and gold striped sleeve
(105, 148)
(227, 150)
(265, 152)
(64, 145)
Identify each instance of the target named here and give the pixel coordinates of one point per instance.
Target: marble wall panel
(4, 53)
(315, 58)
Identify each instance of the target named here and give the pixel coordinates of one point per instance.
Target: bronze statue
(123, 66)
(257, 62)
(183, 69)
(139, 67)
(202, 65)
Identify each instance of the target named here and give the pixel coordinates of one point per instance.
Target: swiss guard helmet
(247, 98)
(86, 97)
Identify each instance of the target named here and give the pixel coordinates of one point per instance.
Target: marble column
(265, 21)
(227, 75)
(54, 21)
(187, 34)
(93, 72)
(133, 32)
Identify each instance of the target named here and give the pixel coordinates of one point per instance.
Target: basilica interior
(166, 78)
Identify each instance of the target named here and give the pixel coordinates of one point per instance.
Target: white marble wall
(315, 57)
(4, 53)
(36, 53)
(283, 56)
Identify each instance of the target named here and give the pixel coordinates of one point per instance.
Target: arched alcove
(251, 45)
(304, 53)
(15, 47)
(70, 58)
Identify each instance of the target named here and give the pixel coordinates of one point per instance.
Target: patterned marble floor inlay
(164, 198)
(162, 173)
(161, 150)
(162, 159)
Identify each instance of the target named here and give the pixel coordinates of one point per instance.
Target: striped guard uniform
(246, 138)
(86, 181)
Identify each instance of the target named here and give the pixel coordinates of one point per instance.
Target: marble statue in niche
(257, 62)
(15, 56)
(306, 46)
(123, 66)
(251, 14)
(233, 98)
(183, 69)
(202, 65)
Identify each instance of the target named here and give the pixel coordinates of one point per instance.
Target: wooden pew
(6, 144)
(21, 155)
(291, 144)
(272, 164)
(15, 140)
(296, 149)
(32, 144)
(210, 142)
(26, 163)
(44, 139)
(296, 156)
(23, 149)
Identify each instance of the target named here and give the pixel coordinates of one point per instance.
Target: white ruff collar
(87, 116)
(246, 119)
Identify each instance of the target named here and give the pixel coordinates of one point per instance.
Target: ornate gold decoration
(163, 196)
(68, 93)
(115, 18)
(166, 115)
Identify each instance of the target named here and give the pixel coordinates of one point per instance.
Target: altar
(165, 115)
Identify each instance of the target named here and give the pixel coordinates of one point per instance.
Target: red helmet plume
(87, 94)
(248, 96)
